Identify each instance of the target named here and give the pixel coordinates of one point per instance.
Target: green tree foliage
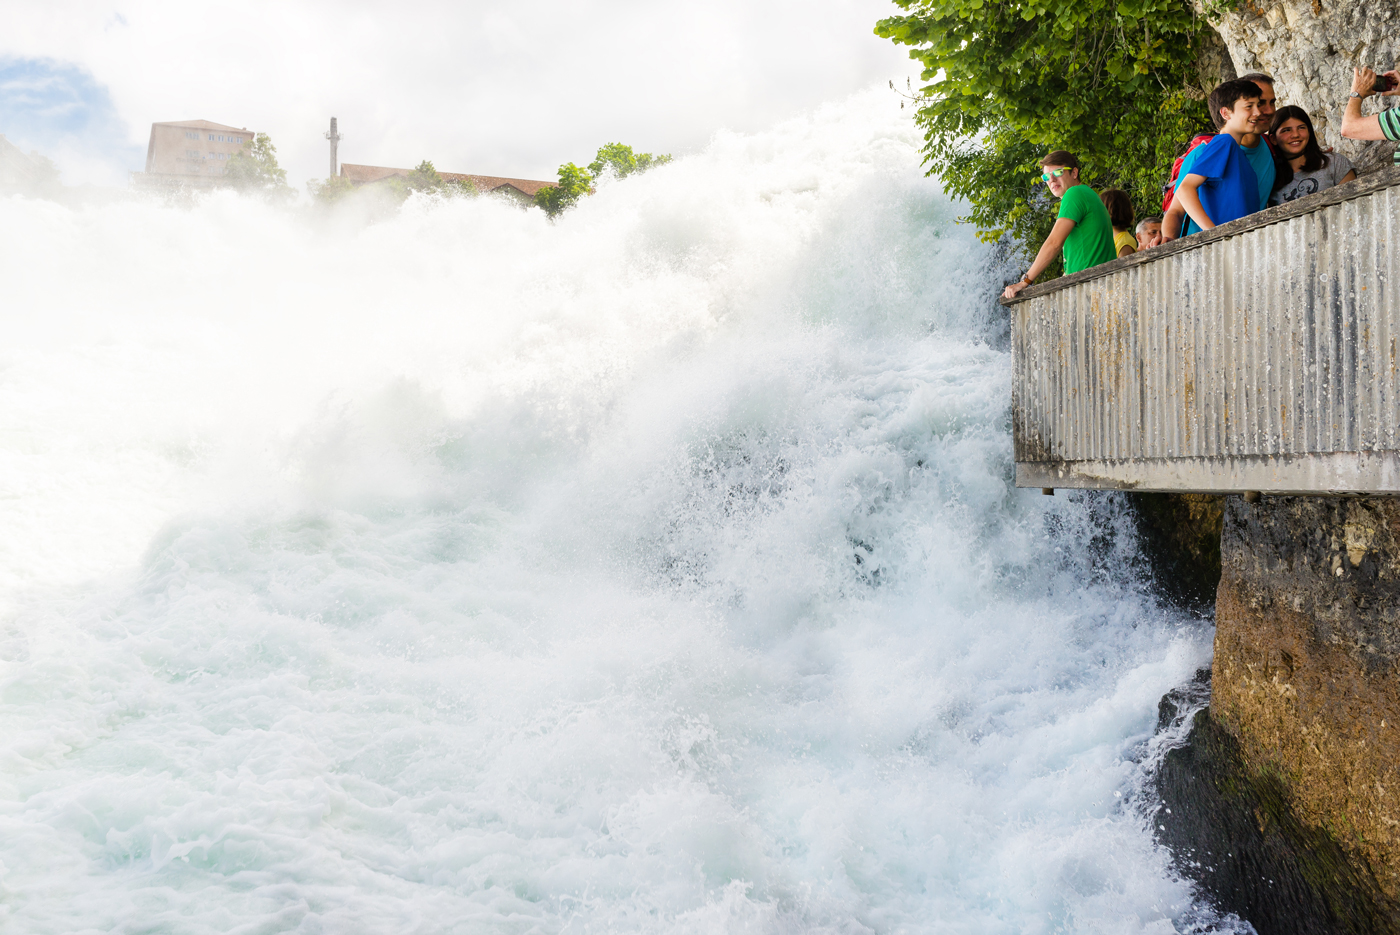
(574, 183)
(423, 178)
(254, 169)
(1010, 80)
(618, 160)
(614, 159)
(333, 189)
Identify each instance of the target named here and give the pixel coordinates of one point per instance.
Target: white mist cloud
(474, 86)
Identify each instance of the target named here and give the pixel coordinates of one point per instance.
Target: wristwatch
(1357, 94)
(1027, 279)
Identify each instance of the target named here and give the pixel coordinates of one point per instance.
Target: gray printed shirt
(1310, 183)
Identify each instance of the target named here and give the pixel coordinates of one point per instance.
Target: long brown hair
(1120, 207)
(1313, 156)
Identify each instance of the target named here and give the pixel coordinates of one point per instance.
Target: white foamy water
(659, 570)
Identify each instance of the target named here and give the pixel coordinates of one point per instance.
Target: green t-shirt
(1091, 241)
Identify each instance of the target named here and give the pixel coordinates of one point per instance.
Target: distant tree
(574, 183)
(618, 160)
(331, 190)
(425, 178)
(458, 188)
(254, 169)
(33, 175)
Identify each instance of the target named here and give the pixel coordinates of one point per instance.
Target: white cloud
(474, 86)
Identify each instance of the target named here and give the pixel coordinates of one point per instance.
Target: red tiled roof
(484, 183)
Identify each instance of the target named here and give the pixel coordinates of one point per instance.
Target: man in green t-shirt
(1082, 230)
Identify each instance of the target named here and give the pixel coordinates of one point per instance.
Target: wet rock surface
(1180, 536)
(1279, 800)
(1233, 830)
(1305, 677)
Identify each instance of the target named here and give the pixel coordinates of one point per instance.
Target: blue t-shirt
(1261, 160)
(1231, 189)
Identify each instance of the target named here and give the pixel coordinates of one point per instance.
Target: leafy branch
(1008, 80)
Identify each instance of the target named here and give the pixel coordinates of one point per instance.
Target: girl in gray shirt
(1312, 169)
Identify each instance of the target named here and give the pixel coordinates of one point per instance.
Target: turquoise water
(659, 570)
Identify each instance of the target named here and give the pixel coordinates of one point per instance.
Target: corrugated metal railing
(1261, 355)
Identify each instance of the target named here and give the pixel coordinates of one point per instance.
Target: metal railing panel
(1268, 340)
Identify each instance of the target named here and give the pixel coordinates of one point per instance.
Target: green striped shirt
(1390, 123)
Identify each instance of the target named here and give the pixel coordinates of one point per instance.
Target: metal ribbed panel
(1281, 342)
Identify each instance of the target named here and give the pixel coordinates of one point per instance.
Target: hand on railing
(1011, 291)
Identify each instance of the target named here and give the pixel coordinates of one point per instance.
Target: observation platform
(1259, 356)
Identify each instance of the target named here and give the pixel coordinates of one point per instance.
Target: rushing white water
(657, 570)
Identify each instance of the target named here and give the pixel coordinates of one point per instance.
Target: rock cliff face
(1310, 48)
(1181, 537)
(1232, 828)
(1213, 63)
(1306, 674)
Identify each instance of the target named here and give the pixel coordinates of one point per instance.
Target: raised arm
(1363, 85)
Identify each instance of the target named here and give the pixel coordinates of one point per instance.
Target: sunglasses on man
(1047, 176)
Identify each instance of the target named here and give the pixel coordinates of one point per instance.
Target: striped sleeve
(1390, 123)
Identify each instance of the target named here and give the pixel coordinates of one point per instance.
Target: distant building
(190, 153)
(520, 190)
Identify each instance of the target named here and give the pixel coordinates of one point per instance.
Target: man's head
(1234, 106)
(1060, 171)
(1267, 102)
(1149, 229)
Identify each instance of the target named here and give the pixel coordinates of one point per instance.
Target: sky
(475, 86)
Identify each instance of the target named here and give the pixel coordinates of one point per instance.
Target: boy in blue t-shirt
(1218, 184)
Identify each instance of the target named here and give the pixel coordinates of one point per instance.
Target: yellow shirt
(1122, 240)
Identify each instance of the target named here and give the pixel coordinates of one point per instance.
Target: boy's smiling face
(1242, 117)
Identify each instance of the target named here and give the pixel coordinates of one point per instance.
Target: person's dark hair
(1120, 208)
(1226, 94)
(1061, 158)
(1313, 156)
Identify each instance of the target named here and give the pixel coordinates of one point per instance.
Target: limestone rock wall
(1306, 673)
(1310, 47)
(1213, 63)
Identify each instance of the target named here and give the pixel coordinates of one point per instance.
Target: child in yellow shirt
(1120, 214)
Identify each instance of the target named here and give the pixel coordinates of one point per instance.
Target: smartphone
(1383, 83)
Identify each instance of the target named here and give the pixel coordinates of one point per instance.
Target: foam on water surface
(657, 570)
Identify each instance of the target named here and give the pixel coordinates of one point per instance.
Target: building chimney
(334, 137)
